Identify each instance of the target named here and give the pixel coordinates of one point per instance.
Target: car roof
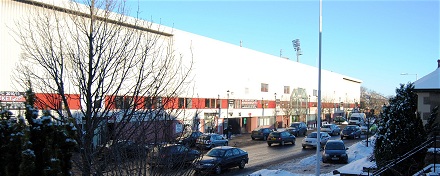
(335, 141)
(224, 147)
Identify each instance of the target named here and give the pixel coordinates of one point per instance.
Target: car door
(229, 160)
(289, 137)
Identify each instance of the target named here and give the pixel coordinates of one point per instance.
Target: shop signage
(12, 96)
(249, 104)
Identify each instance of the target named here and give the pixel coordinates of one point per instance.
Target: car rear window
(275, 134)
(335, 146)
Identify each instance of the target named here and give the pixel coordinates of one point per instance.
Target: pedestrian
(229, 131)
(225, 132)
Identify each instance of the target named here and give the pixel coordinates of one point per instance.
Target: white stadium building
(228, 84)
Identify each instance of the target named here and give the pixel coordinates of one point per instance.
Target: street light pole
(219, 113)
(227, 109)
(275, 117)
(262, 108)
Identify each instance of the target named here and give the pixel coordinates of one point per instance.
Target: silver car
(331, 129)
(210, 140)
(311, 140)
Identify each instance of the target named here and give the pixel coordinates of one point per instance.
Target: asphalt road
(261, 156)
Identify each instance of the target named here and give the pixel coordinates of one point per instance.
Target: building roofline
(41, 3)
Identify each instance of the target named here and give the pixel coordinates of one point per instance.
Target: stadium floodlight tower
(297, 48)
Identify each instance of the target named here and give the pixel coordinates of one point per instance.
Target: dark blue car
(351, 132)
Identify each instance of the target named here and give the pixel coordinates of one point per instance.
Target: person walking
(229, 131)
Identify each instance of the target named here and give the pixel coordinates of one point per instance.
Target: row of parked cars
(186, 151)
(333, 150)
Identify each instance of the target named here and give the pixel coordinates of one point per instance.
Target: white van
(357, 119)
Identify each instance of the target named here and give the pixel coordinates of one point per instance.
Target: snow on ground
(358, 154)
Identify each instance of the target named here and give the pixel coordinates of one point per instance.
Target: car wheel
(342, 137)
(293, 142)
(324, 161)
(253, 138)
(269, 144)
(218, 170)
(304, 147)
(242, 164)
(226, 143)
(297, 134)
(282, 142)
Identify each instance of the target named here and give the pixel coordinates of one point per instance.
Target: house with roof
(428, 91)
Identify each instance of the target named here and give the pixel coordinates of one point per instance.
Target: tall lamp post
(410, 74)
(219, 112)
(262, 108)
(275, 117)
(227, 108)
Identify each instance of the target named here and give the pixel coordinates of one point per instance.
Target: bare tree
(121, 72)
(327, 105)
(372, 101)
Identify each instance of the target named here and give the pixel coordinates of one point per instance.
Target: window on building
(286, 89)
(181, 102)
(207, 103)
(215, 103)
(119, 102)
(188, 102)
(128, 102)
(264, 87)
(148, 103)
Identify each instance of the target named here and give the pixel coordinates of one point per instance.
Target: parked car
(280, 137)
(351, 131)
(339, 120)
(312, 139)
(222, 157)
(297, 128)
(335, 150)
(261, 133)
(189, 139)
(171, 155)
(116, 149)
(357, 119)
(331, 129)
(364, 129)
(210, 140)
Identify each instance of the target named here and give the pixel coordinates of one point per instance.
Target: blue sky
(374, 41)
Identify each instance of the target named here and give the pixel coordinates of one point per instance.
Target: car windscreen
(354, 118)
(349, 128)
(326, 126)
(312, 135)
(335, 146)
(216, 153)
(294, 125)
